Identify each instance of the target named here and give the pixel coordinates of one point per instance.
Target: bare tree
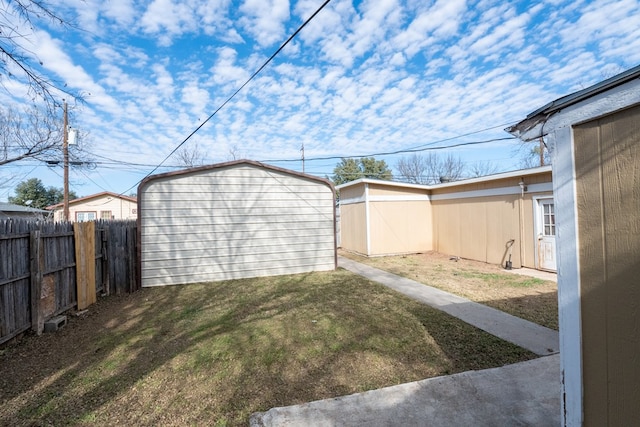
(413, 169)
(17, 23)
(32, 134)
(450, 168)
(430, 169)
(478, 169)
(235, 153)
(530, 154)
(190, 156)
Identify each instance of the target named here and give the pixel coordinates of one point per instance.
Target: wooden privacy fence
(47, 268)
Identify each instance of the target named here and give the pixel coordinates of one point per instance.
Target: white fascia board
(382, 182)
(501, 191)
(503, 175)
(387, 198)
(604, 103)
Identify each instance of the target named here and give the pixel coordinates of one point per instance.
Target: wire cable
(391, 153)
(291, 37)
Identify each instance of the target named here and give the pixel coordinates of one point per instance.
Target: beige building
(494, 219)
(105, 205)
(594, 137)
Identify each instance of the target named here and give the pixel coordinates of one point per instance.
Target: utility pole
(302, 149)
(65, 154)
(541, 152)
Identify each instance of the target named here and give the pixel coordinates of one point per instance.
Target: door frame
(537, 228)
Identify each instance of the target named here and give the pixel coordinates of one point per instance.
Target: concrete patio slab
(523, 394)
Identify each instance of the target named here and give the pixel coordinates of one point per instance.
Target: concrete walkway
(522, 394)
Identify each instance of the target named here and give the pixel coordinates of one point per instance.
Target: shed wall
(607, 155)
(398, 227)
(353, 227)
(480, 228)
(234, 222)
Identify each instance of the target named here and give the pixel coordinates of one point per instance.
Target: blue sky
(364, 77)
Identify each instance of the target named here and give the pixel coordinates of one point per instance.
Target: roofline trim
(486, 178)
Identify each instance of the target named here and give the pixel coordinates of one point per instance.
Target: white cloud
(265, 20)
(167, 19)
(226, 71)
(361, 78)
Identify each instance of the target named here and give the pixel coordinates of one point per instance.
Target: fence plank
(85, 263)
(37, 266)
(38, 269)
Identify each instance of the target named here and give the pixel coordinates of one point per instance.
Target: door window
(548, 219)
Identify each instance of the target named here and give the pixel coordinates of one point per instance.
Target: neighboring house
(594, 139)
(10, 211)
(494, 219)
(105, 205)
(234, 220)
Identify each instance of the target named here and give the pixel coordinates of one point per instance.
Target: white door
(546, 235)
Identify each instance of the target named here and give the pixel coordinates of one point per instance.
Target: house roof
(502, 175)
(230, 164)
(542, 114)
(8, 207)
(93, 196)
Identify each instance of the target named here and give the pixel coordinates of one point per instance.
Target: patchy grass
(213, 353)
(530, 298)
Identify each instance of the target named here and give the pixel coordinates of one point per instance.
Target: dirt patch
(530, 298)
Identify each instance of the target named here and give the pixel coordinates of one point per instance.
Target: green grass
(501, 279)
(523, 296)
(213, 353)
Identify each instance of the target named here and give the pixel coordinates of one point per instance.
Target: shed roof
(230, 164)
(9, 207)
(542, 114)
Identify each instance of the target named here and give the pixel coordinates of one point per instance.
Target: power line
(291, 37)
(426, 147)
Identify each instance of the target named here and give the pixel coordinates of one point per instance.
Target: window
(85, 216)
(548, 219)
(105, 215)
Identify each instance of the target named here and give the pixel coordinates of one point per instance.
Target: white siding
(236, 221)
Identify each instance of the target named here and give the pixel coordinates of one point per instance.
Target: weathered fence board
(42, 264)
(85, 234)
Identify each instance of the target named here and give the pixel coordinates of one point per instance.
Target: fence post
(36, 255)
(105, 258)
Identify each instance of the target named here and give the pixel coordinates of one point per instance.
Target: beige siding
(382, 190)
(398, 227)
(473, 220)
(354, 192)
(478, 228)
(232, 222)
(353, 227)
(607, 159)
(102, 206)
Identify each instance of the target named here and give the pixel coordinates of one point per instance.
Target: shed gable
(235, 221)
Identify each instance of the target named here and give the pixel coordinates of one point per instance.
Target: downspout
(521, 215)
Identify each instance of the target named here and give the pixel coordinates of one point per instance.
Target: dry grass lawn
(213, 353)
(530, 298)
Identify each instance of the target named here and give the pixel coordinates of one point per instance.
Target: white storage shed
(234, 220)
